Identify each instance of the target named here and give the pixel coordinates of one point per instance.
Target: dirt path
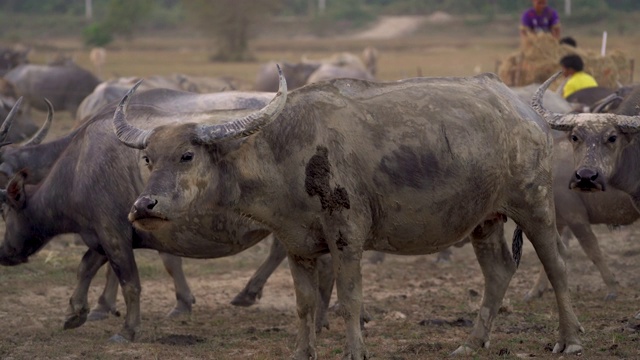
(391, 27)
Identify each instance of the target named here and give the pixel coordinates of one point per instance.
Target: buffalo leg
(184, 297)
(253, 290)
(305, 278)
(345, 245)
(124, 265)
(78, 304)
(107, 301)
(589, 243)
(326, 280)
(539, 226)
(542, 283)
(498, 267)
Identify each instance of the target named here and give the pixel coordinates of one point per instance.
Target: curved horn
(249, 124)
(44, 130)
(602, 103)
(556, 121)
(6, 125)
(126, 133)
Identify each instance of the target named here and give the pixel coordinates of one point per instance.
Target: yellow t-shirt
(578, 81)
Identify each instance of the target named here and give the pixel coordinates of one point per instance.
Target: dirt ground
(422, 309)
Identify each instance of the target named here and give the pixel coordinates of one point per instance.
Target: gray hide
(80, 173)
(64, 86)
(350, 165)
(606, 149)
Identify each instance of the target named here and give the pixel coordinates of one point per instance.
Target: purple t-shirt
(543, 22)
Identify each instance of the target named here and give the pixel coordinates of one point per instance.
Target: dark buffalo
(606, 147)
(84, 169)
(23, 127)
(11, 58)
(65, 86)
(350, 165)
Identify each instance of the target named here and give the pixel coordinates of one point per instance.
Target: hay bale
(539, 58)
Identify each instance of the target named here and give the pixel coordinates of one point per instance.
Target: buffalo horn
(6, 125)
(44, 130)
(556, 121)
(249, 124)
(126, 133)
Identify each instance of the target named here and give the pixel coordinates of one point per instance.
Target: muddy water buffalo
(65, 86)
(350, 165)
(34, 214)
(606, 148)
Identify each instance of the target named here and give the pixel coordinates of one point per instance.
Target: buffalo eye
(574, 138)
(186, 157)
(146, 159)
(612, 139)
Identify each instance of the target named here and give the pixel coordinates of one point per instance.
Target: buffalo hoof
(611, 296)
(179, 311)
(305, 355)
(75, 320)
(463, 350)
(567, 349)
(97, 314)
(245, 298)
(118, 339)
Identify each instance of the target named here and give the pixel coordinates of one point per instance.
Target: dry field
(421, 309)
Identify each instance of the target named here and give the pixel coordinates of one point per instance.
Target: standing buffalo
(350, 165)
(90, 163)
(606, 147)
(339, 65)
(65, 86)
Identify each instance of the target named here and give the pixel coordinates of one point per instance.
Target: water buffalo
(83, 169)
(11, 58)
(113, 90)
(606, 148)
(350, 165)
(65, 86)
(296, 74)
(23, 127)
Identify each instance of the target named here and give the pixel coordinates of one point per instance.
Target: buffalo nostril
(584, 174)
(152, 204)
(145, 203)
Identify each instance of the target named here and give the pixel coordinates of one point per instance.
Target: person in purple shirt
(540, 18)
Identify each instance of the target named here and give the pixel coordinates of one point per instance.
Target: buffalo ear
(16, 196)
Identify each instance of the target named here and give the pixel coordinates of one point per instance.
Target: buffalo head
(12, 156)
(21, 239)
(601, 143)
(180, 158)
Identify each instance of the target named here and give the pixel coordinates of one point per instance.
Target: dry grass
(33, 297)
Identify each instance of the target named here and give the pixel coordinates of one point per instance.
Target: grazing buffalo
(65, 86)
(296, 74)
(606, 147)
(80, 166)
(408, 167)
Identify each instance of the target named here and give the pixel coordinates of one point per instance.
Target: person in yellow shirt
(577, 79)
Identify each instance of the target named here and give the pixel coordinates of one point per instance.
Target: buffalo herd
(325, 160)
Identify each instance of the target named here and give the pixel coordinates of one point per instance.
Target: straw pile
(539, 58)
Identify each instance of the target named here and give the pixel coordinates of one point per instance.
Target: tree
(124, 15)
(229, 22)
